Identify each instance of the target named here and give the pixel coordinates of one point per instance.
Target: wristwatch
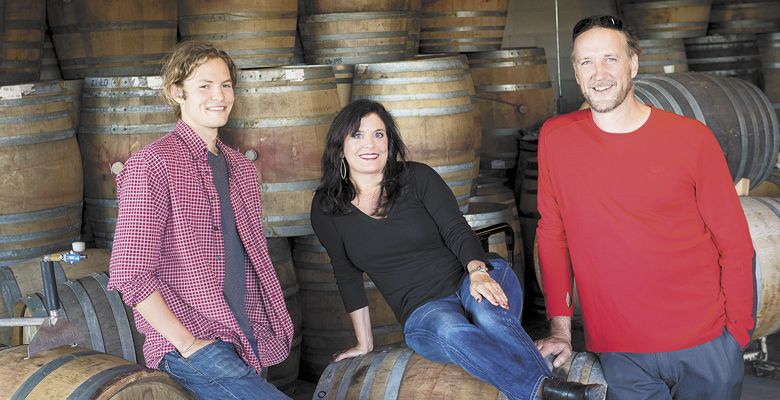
(482, 268)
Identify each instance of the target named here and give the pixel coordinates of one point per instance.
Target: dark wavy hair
(336, 194)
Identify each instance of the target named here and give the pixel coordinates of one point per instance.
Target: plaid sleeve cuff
(138, 290)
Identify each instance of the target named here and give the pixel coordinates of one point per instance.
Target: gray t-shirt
(235, 254)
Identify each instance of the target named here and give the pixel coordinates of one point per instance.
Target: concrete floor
(762, 383)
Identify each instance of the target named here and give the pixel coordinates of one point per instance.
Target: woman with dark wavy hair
(397, 221)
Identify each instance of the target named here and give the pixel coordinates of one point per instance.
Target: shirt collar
(195, 145)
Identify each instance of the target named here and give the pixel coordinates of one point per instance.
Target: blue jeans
(485, 340)
(217, 372)
(713, 370)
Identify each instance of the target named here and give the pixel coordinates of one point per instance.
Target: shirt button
(218, 257)
(215, 228)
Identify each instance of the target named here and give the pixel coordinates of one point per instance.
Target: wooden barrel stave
(450, 26)
(744, 16)
(319, 296)
(98, 313)
(24, 278)
(725, 55)
(21, 40)
(40, 210)
(769, 48)
(312, 7)
(255, 33)
(80, 374)
(281, 118)
(285, 374)
(665, 19)
(582, 367)
(398, 372)
(91, 36)
(763, 216)
(662, 56)
(739, 115)
(119, 116)
(430, 101)
(358, 37)
(514, 92)
(344, 74)
(50, 68)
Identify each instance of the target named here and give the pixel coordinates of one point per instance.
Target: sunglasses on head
(604, 21)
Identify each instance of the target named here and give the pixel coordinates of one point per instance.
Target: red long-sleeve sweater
(651, 226)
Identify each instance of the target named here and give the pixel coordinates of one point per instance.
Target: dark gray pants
(711, 371)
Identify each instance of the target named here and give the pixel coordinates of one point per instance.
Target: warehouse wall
(531, 23)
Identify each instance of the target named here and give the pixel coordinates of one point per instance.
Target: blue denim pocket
(219, 360)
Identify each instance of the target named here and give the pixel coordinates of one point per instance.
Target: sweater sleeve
(724, 218)
(348, 277)
(551, 238)
(441, 204)
(143, 211)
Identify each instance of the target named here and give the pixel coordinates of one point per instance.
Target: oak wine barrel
(763, 216)
(738, 113)
(430, 101)
(456, 26)
(769, 48)
(93, 37)
(40, 210)
(24, 278)
(311, 7)
(514, 92)
(21, 40)
(50, 67)
(744, 16)
(280, 121)
(327, 328)
(285, 374)
(396, 372)
(666, 19)
(119, 116)
(81, 374)
(358, 37)
(662, 56)
(582, 367)
(106, 322)
(255, 33)
(725, 55)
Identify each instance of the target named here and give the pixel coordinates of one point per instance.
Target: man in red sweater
(639, 205)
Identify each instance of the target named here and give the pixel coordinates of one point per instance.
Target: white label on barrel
(294, 75)
(154, 82)
(10, 92)
(498, 164)
(668, 69)
(101, 82)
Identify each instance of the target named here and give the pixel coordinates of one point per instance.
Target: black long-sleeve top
(416, 254)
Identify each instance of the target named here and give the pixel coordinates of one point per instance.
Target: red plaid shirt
(169, 238)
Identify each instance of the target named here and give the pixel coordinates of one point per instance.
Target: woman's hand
(482, 285)
(358, 350)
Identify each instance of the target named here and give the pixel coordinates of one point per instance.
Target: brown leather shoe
(556, 389)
